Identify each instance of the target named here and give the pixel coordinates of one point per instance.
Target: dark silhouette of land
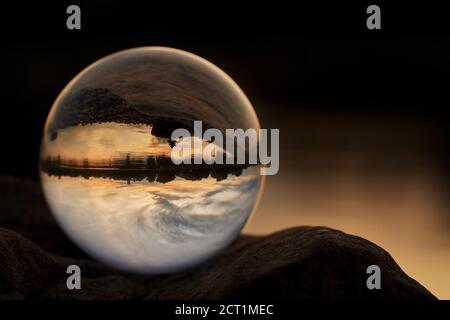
(152, 168)
(100, 105)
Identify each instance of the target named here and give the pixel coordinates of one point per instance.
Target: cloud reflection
(153, 227)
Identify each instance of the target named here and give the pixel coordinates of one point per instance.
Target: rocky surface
(297, 263)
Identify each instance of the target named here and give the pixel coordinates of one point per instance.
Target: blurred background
(362, 115)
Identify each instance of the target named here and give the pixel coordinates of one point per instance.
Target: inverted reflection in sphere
(106, 167)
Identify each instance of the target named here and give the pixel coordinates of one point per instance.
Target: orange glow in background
(374, 178)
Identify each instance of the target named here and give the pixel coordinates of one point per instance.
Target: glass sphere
(106, 169)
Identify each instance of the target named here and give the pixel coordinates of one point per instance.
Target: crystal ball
(106, 169)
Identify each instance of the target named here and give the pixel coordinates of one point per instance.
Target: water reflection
(122, 152)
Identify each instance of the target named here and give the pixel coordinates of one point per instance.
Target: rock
(297, 263)
(25, 269)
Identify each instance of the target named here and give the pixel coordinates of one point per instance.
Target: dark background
(362, 113)
(289, 59)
